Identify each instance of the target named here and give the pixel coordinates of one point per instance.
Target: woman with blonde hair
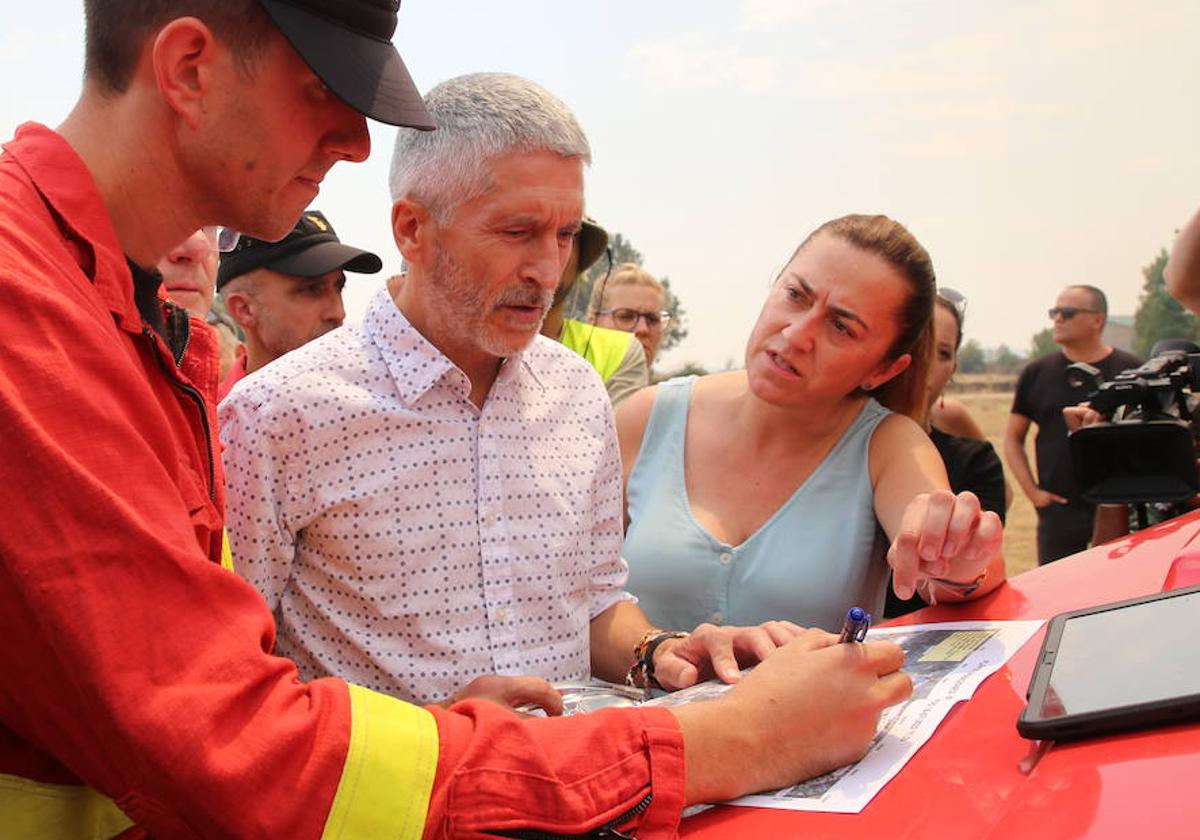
(632, 300)
(773, 492)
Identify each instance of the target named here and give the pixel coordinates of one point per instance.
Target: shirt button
(489, 520)
(502, 615)
(715, 618)
(726, 559)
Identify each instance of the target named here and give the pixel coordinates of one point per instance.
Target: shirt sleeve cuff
(664, 744)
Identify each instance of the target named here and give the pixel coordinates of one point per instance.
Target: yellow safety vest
(604, 349)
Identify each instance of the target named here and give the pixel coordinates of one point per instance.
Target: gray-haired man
(502, 490)
(435, 495)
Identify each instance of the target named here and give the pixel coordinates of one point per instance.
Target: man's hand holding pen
(815, 702)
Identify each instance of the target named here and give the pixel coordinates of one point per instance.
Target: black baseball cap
(348, 44)
(311, 249)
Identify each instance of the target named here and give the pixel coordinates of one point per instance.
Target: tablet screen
(1126, 656)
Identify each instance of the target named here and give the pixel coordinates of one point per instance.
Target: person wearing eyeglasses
(765, 493)
(617, 357)
(1065, 520)
(634, 301)
(189, 272)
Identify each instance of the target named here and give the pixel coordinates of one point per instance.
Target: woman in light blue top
(771, 493)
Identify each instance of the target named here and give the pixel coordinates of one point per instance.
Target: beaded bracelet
(641, 673)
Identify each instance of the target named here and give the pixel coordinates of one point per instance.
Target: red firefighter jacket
(137, 689)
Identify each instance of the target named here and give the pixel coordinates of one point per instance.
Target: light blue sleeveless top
(819, 554)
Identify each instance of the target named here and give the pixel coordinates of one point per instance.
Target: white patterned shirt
(409, 541)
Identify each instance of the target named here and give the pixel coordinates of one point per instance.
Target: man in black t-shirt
(1065, 520)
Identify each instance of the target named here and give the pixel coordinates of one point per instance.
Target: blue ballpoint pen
(854, 629)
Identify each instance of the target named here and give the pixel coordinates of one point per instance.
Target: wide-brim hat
(348, 45)
(593, 241)
(311, 249)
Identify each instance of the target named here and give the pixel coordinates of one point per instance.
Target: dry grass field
(990, 409)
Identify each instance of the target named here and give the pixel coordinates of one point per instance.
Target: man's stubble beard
(278, 342)
(464, 310)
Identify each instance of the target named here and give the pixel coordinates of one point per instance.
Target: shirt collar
(66, 185)
(415, 364)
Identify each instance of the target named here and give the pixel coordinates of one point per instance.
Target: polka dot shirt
(408, 541)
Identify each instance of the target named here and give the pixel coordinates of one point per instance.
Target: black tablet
(1126, 665)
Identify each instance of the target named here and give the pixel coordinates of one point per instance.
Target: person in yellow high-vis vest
(617, 357)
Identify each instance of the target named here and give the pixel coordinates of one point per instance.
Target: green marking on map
(957, 646)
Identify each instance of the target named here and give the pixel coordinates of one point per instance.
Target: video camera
(1146, 452)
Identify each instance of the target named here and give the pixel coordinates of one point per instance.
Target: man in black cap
(138, 692)
(284, 294)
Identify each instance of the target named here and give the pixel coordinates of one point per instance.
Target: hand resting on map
(511, 692)
(721, 652)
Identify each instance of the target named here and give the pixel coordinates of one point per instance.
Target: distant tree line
(974, 358)
(1159, 315)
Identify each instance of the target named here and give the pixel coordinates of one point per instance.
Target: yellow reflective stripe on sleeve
(389, 770)
(37, 811)
(226, 552)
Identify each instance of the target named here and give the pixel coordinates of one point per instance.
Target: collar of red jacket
(67, 186)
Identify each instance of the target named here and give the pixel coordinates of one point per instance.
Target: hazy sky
(1028, 145)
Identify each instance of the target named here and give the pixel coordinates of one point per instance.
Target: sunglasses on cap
(1067, 312)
